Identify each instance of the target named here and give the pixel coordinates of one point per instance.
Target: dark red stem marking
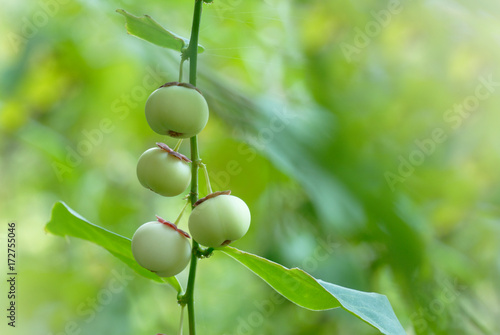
(212, 195)
(166, 148)
(176, 83)
(173, 226)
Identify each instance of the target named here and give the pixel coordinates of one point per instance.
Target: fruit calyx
(176, 83)
(172, 225)
(210, 196)
(170, 151)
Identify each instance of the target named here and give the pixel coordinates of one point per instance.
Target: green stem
(181, 321)
(189, 295)
(192, 53)
(190, 289)
(178, 145)
(181, 67)
(179, 217)
(207, 178)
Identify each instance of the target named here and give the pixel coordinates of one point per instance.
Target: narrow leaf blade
(66, 222)
(304, 290)
(146, 28)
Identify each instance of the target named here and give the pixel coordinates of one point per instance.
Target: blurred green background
(362, 134)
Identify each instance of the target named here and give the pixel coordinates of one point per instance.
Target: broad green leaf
(148, 29)
(67, 222)
(304, 290)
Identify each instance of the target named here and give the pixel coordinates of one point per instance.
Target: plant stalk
(192, 51)
(192, 54)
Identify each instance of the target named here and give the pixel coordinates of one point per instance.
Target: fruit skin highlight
(163, 172)
(177, 109)
(161, 248)
(219, 219)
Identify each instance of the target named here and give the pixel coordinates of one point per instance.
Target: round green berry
(177, 110)
(219, 219)
(164, 171)
(161, 247)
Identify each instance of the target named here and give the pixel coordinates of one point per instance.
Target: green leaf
(67, 222)
(148, 29)
(304, 290)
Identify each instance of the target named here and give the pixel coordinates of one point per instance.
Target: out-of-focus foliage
(362, 134)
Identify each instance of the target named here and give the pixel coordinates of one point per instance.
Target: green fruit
(164, 171)
(161, 247)
(177, 109)
(219, 219)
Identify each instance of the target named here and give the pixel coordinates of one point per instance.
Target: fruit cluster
(179, 110)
